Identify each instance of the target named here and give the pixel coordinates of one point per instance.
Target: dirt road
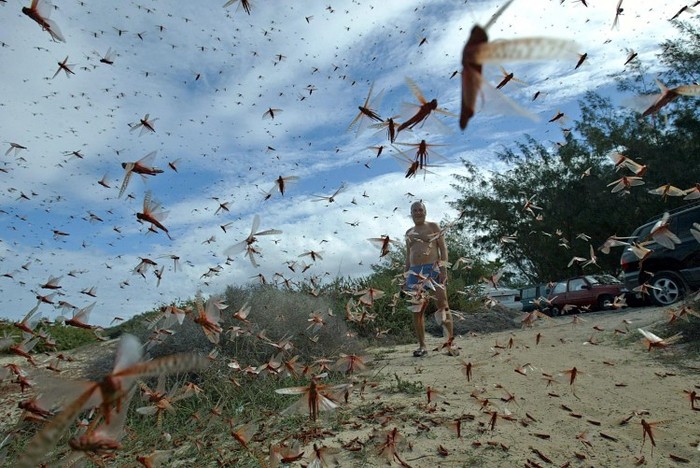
(522, 406)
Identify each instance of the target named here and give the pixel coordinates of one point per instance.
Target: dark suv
(669, 273)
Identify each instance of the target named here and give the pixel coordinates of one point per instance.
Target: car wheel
(667, 288)
(605, 302)
(554, 311)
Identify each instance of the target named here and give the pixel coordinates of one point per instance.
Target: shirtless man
(426, 258)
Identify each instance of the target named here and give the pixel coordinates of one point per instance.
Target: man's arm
(442, 254)
(408, 253)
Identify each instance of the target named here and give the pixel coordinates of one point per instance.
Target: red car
(589, 292)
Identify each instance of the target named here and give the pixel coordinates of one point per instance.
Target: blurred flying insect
(331, 198)
(662, 235)
(80, 318)
(648, 430)
(423, 152)
(391, 126)
(101, 439)
(685, 8)
(413, 164)
(52, 283)
(270, 113)
(30, 320)
(153, 213)
(143, 167)
(40, 11)
(695, 231)
(693, 193)
(369, 295)
(109, 394)
(653, 341)
(529, 206)
(614, 241)
(108, 57)
(507, 78)
(161, 400)
(618, 11)
(367, 112)
(16, 147)
(283, 455)
(621, 160)
(209, 316)
(640, 251)
(572, 373)
(350, 363)
(247, 243)
(389, 449)
(245, 4)
(173, 164)
(667, 190)
(478, 51)
(145, 124)
(669, 95)
(243, 434)
(316, 397)
(383, 242)
(66, 67)
(625, 183)
(315, 255)
(424, 111)
(281, 185)
(24, 347)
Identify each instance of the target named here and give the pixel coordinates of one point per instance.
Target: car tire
(554, 312)
(605, 302)
(667, 288)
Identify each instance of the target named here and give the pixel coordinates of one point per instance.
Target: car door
(578, 292)
(558, 294)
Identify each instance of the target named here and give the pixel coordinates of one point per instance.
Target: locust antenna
(497, 14)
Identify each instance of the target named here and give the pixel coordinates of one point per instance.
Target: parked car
(529, 294)
(509, 298)
(666, 274)
(589, 292)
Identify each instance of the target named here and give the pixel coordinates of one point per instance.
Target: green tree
(568, 184)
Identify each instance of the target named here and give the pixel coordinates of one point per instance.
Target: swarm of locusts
(80, 421)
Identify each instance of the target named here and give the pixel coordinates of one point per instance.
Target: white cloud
(214, 124)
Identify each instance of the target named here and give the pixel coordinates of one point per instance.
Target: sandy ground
(540, 420)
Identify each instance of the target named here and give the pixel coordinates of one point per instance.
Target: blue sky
(208, 74)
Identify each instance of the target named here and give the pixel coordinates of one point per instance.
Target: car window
(644, 232)
(594, 279)
(602, 279)
(685, 221)
(577, 284)
(560, 288)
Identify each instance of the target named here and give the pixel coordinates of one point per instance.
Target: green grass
(406, 386)
(65, 337)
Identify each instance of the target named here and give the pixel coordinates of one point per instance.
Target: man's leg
(442, 315)
(445, 316)
(419, 327)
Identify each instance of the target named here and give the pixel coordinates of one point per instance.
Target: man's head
(418, 212)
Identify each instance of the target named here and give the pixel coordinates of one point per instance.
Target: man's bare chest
(424, 235)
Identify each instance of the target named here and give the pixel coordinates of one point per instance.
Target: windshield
(602, 279)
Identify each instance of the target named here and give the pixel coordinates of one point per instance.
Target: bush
(275, 315)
